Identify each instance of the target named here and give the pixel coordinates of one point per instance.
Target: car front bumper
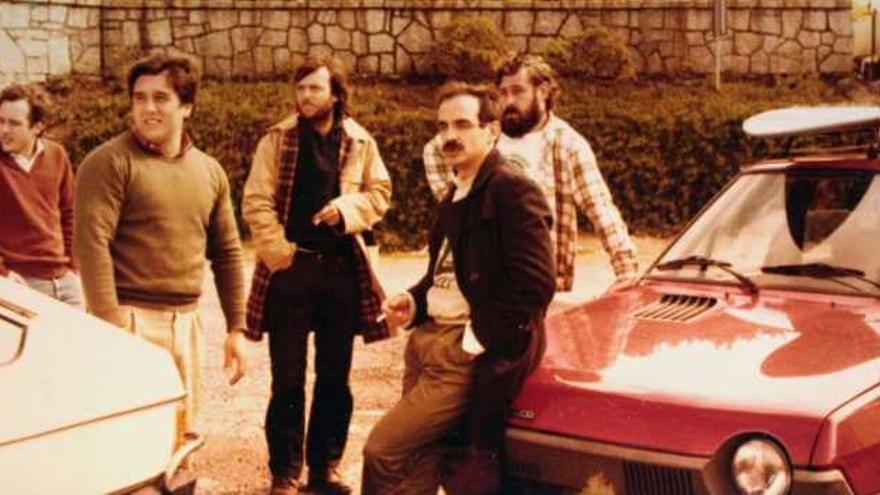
(539, 462)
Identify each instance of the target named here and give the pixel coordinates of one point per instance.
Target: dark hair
(36, 97)
(338, 80)
(538, 70)
(490, 109)
(183, 74)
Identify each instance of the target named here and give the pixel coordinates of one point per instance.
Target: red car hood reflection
(771, 364)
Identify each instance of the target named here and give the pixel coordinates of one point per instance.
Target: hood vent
(679, 308)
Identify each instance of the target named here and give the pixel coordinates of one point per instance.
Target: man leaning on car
(150, 208)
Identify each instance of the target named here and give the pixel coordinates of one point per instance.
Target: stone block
(359, 43)
(243, 65)
(844, 45)
(789, 49)
(57, 13)
(38, 66)
(33, 48)
(519, 43)
(316, 34)
(767, 22)
(760, 63)
(196, 17)
(698, 20)
(299, 18)
(273, 38)
(320, 51)
(381, 43)
(654, 64)
(615, 18)
(695, 38)
(415, 39)
(650, 19)
(791, 23)
(736, 64)
(368, 64)
(281, 61)
(518, 22)
(816, 20)
(386, 64)
(398, 24)
(822, 52)
(590, 19)
(114, 15)
(218, 67)
(78, 17)
(90, 37)
(771, 43)
(59, 55)
(298, 40)
(828, 38)
(244, 39)
(189, 31)
(809, 39)
(784, 65)
(13, 59)
(374, 21)
(89, 62)
(326, 17)
(338, 38)
(131, 34)
(571, 27)
(539, 44)
(809, 62)
(250, 18)
(348, 59)
(403, 63)
(219, 20)
(841, 23)
(215, 45)
(549, 22)
(15, 15)
(347, 20)
(39, 13)
(159, 33)
(738, 19)
(264, 60)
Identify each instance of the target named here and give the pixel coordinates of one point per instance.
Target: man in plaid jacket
(316, 184)
(555, 156)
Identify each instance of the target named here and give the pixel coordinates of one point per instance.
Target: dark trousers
(317, 293)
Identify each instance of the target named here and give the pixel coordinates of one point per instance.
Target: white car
(84, 407)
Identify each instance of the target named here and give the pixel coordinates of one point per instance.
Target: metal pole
(717, 63)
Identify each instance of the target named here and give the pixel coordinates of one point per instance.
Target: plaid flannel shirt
(571, 179)
(370, 292)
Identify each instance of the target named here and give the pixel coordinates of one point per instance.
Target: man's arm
(439, 175)
(361, 210)
(259, 208)
(65, 206)
(526, 256)
(593, 198)
(100, 191)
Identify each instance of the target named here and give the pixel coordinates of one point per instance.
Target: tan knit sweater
(144, 225)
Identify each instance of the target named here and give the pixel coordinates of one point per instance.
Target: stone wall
(262, 38)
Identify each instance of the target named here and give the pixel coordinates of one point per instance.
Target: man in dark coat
(478, 312)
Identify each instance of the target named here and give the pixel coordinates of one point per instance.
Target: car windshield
(805, 229)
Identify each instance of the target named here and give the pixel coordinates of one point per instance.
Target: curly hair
(36, 97)
(538, 70)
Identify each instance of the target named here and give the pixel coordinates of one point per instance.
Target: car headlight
(760, 467)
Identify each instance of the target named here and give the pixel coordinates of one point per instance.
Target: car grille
(679, 308)
(645, 479)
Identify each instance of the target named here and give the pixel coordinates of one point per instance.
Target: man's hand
(329, 215)
(399, 310)
(234, 362)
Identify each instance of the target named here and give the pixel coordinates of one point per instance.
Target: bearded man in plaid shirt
(558, 158)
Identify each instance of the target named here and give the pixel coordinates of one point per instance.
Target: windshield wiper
(704, 262)
(821, 270)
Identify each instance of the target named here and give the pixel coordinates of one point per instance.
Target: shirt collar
(26, 163)
(154, 149)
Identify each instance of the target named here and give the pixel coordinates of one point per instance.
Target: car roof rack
(793, 122)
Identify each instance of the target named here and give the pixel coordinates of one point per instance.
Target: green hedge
(664, 149)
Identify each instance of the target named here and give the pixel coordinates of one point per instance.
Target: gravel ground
(234, 458)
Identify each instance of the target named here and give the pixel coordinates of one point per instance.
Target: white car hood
(75, 368)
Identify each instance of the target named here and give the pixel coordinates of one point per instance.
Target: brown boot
(328, 482)
(284, 485)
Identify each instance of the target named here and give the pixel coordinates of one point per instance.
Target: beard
(515, 123)
(321, 115)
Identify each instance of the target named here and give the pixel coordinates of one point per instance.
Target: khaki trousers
(180, 333)
(405, 449)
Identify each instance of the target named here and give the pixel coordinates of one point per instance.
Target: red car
(747, 358)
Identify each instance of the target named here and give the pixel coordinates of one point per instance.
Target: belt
(314, 254)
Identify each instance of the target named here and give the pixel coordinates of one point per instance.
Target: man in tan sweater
(150, 208)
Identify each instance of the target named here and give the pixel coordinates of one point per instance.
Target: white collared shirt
(25, 163)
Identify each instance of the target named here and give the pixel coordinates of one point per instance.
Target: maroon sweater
(36, 214)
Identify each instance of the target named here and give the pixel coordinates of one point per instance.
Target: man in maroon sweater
(36, 199)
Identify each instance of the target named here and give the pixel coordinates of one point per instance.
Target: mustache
(511, 110)
(452, 145)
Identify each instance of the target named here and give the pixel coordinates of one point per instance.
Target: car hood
(685, 371)
(74, 369)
